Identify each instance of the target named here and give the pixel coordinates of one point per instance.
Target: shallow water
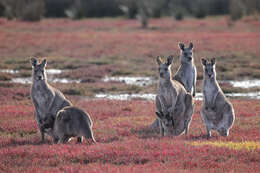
(245, 83)
(199, 96)
(126, 96)
(139, 81)
(49, 71)
(10, 71)
(54, 71)
(28, 80)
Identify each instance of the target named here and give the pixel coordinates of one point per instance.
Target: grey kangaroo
(174, 106)
(71, 122)
(47, 100)
(217, 112)
(187, 73)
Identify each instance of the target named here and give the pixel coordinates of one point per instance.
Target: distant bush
(57, 8)
(30, 10)
(129, 8)
(2, 10)
(200, 8)
(26, 10)
(93, 8)
(179, 14)
(200, 13)
(237, 9)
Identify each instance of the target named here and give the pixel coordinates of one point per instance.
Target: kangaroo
(174, 106)
(70, 122)
(46, 99)
(217, 112)
(187, 73)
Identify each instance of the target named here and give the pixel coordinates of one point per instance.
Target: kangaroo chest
(187, 76)
(42, 97)
(209, 91)
(168, 97)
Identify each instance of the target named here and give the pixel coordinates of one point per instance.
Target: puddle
(245, 83)
(251, 95)
(126, 96)
(139, 81)
(51, 80)
(54, 71)
(151, 97)
(49, 71)
(10, 71)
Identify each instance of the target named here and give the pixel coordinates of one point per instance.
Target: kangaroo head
(186, 53)
(164, 68)
(38, 69)
(166, 120)
(209, 67)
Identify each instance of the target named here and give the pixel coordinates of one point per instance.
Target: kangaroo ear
(159, 115)
(159, 60)
(213, 61)
(169, 60)
(181, 46)
(203, 61)
(44, 63)
(191, 45)
(33, 62)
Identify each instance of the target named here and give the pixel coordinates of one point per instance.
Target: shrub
(56, 8)
(179, 14)
(236, 9)
(26, 10)
(30, 10)
(200, 10)
(2, 10)
(93, 8)
(129, 8)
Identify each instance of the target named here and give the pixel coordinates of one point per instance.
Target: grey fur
(187, 73)
(217, 112)
(46, 99)
(72, 122)
(174, 106)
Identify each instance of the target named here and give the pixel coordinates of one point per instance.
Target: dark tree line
(34, 10)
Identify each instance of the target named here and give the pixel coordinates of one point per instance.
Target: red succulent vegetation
(94, 48)
(126, 142)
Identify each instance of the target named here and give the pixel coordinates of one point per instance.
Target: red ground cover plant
(126, 142)
(94, 48)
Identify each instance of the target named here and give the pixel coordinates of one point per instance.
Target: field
(91, 49)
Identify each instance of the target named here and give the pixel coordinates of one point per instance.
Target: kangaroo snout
(161, 74)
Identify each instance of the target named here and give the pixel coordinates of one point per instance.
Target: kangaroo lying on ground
(217, 112)
(70, 122)
(47, 100)
(187, 73)
(174, 106)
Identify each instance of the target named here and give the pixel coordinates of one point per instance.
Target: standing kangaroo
(217, 112)
(174, 106)
(47, 100)
(187, 73)
(72, 122)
